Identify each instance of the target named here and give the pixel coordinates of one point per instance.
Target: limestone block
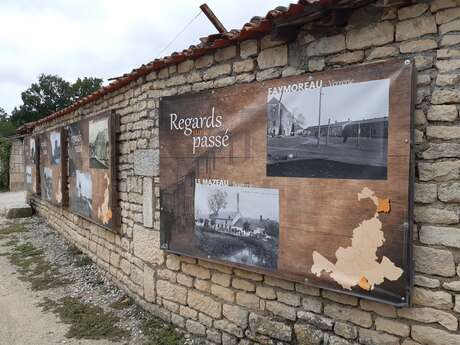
(368, 337)
(412, 11)
(373, 35)
(146, 244)
(228, 327)
(327, 45)
(392, 326)
(425, 193)
(225, 53)
(204, 61)
(308, 335)
(148, 206)
(418, 46)
(449, 27)
(265, 292)
(205, 304)
(443, 132)
(281, 309)
(273, 57)
(378, 308)
(316, 320)
(442, 113)
(247, 300)
(428, 214)
(235, 314)
(440, 171)
(172, 292)
(217, 71)
(434, 261)
(244, 285)
(343, 313)
(416, 27)
(345, 330)
(430, 315)
(449, 192)
(288, 298)
(266, 326)
(248, 48)
(146, 162)
(243, 66)
(433, 336)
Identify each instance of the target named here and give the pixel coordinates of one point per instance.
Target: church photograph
(239, 224)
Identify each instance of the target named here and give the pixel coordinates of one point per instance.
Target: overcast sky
(101, 38)
(355, 101)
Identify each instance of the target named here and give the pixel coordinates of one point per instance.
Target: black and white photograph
(99, 144)
(28, 174)
(238, 224)
(74, 148)
(55, 139)
(47, 183)
(84, 193)
(32, 149)
(336, 131)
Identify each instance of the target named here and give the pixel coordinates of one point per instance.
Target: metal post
(280, 132)
(213, 19)
(359, 131)
(319, 114)
(328, 128)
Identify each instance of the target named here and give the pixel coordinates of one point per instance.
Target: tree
(84, 87)
(217, 201)
(50, 94)
(6, 126)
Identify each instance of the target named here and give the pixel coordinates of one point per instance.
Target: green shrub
(5, 152)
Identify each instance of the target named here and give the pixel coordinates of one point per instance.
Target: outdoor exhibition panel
(92, 178)
(51, 166)
(32, 180)
(306, 178)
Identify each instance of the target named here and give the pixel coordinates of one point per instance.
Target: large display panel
(31, 157)
(52, 166)
(91, 171)
(306, 178)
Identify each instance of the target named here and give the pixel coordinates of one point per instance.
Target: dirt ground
(51, 293)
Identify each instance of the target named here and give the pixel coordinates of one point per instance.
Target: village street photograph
(238, 224)
(329, 131)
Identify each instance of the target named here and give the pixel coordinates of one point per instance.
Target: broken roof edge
(256, 28)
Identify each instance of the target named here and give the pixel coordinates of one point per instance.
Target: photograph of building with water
(55, 139)
(336, 132)
(47, 183)
(99, 144)
(82, 199)
(238, 224)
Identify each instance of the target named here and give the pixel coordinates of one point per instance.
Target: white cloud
(100, 38)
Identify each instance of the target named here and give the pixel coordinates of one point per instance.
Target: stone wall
(232, 306)
(16, 172)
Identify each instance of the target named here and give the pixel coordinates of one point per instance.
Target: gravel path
(24, 320)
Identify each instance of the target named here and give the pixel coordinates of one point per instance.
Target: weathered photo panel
(91, 170)
(306, 178)
(31, 176)
(52, 181)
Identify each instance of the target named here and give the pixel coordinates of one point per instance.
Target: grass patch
(82, 260)
(12, 229)
(158, 333)
(74, 250)
(123, 303)
(33, 267)
(86, 321)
